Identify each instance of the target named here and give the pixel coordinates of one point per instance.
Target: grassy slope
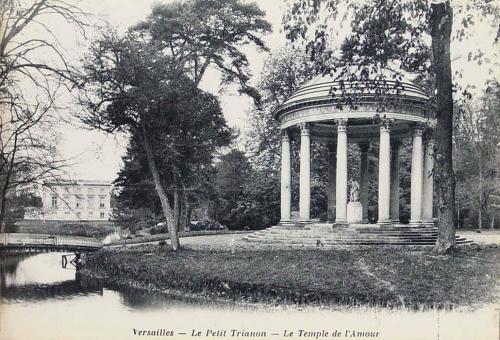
(385, 277)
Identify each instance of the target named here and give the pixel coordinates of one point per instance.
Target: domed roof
(354, 83)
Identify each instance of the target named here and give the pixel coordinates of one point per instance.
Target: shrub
(207, 225)
(11, 228)
(133, 219)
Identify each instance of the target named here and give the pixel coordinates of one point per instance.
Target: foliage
(197, 34)
(232, 173)
(96, 230)
(133, 219)
(284, 71)
(178, 41)
(130, 85)
(476, 147)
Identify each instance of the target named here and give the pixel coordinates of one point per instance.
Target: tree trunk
(441, 23)
(176, 208)
(2, 213)
(183, 220)
(167, 211)
(481, 184)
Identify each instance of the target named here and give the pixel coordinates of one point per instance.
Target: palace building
(83, 200)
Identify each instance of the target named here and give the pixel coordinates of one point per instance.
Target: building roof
(63, 182)
(353, 82)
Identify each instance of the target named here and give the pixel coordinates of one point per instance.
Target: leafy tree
(197, 34)
(129, 85)
(232, 173)
(475, 145)
(136, 187)
(383, 32)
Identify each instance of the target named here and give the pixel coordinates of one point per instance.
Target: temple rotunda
(384, 109)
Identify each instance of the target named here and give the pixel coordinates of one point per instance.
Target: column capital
(285, 135)
(341, 124)
(385, 124)
(305, 129)
(418, 129)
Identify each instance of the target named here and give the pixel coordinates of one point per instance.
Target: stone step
(355, 242)
(341, 234)
(383, 240)
(328, 235)
(360, 234)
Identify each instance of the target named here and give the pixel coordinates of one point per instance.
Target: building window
(102, 202)
(54, 201)
(78, 214)
(78, 202)
(91, 214)
(90, 202)
(102, 215)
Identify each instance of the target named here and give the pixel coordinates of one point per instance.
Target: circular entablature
(325, 99)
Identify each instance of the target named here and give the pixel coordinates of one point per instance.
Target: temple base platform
(353, 234)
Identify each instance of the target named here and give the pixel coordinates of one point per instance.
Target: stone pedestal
(354, 212)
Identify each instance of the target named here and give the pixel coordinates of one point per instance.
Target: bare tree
(33, 70)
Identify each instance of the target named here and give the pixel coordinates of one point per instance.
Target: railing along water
(57, 241)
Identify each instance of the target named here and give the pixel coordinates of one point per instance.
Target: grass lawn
(372, 276)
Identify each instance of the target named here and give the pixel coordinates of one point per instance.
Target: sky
(94, 155)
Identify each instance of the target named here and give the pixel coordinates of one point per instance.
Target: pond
(41, 300)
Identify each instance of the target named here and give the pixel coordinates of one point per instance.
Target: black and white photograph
(250, 169)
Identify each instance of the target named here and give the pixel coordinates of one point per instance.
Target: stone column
(286, 178)
(384, 173)
(332, 173)
(428, 183)
(341, 176)
(364, 180)
(305, 174)
(395, 181)
(416, 176)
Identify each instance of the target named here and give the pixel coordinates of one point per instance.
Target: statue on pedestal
(354, 195)
(354, 207)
